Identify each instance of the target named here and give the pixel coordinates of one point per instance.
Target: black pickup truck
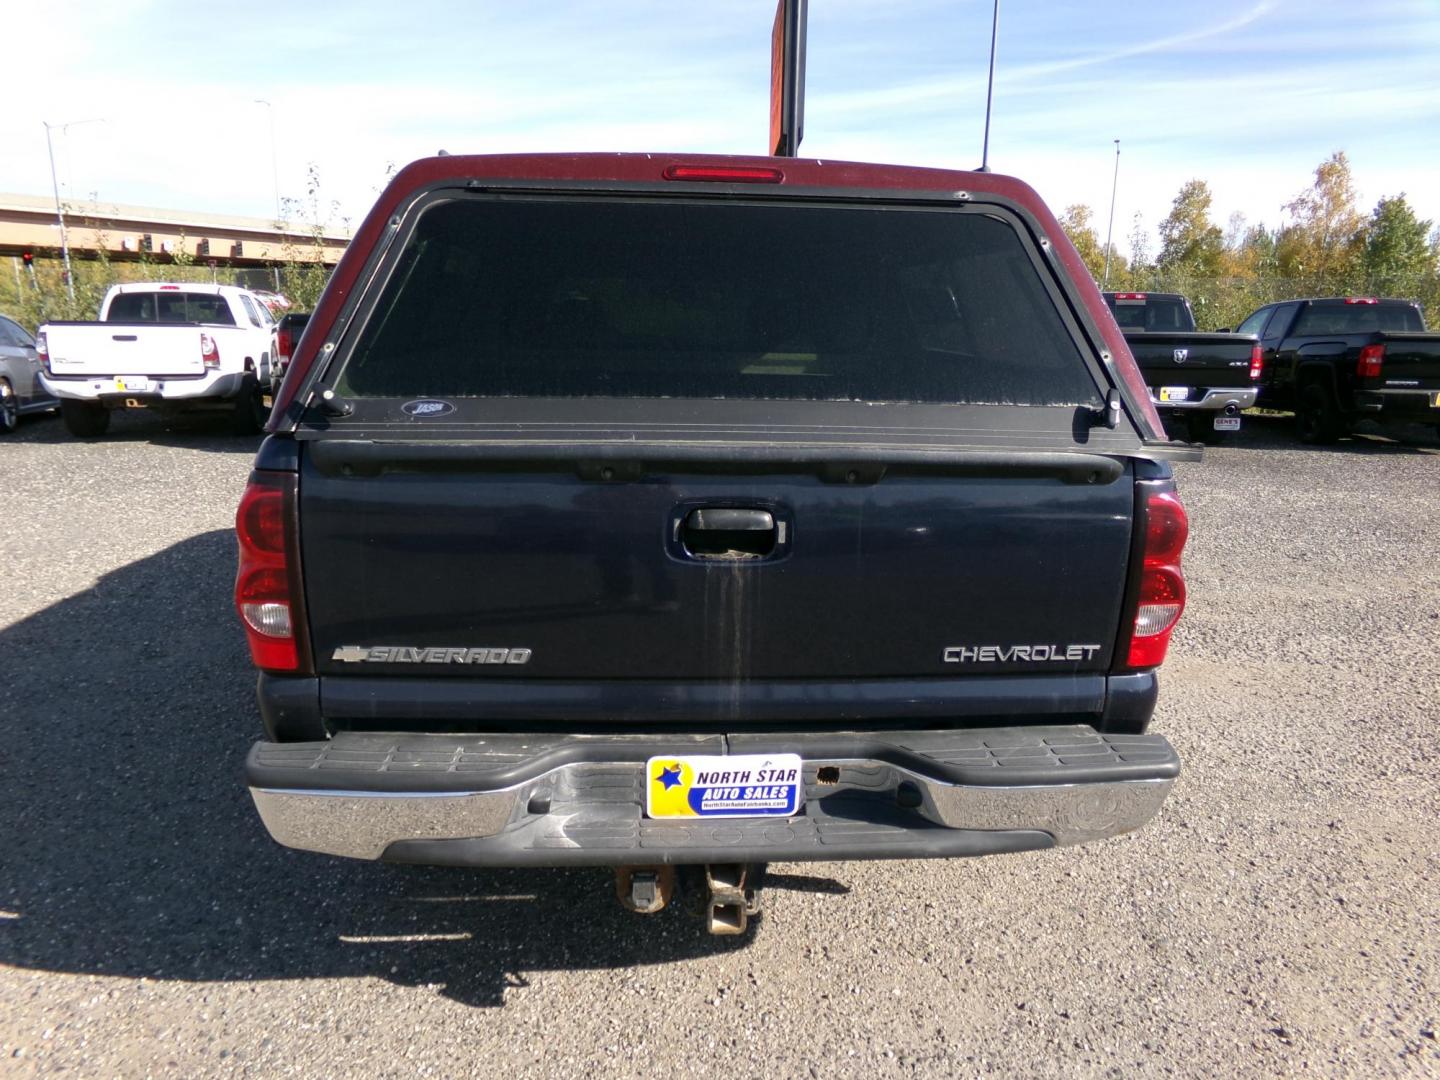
(1337, 360)
(652, 512)
(288, 329)
(1202, 379)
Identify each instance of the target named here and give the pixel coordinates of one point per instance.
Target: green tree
(1397, 256)
(1139, 244)
(1138, 274)
(305, 278)
(1320, 250)
(1076, 223)
(1190, 243)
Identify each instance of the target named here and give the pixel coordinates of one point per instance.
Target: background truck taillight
(1257, 362)
(42, 349)
(284, 340)
(267, 584)
(1370, 361)
(209, 351)
(1160, 597)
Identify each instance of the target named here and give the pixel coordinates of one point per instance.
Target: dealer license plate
(1227, 423)
(1435, 401)
(1174, 393)
(132, 383)
(742, 785)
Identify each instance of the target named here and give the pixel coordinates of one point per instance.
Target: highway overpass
(29, 223)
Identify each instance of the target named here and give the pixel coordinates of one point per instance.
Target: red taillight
(1257, 361)
(1370, 361)
(1161, 596)
(283, 340)
(1129, 296)
(267, 584)
(42, 349)
(1361, 300)
(725, 174)
(209, 351)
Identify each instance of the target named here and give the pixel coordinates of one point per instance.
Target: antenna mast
(990, 88)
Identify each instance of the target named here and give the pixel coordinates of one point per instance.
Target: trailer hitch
(644, 889)
(731, 897)
(726, 895)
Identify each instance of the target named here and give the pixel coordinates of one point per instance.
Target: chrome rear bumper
(1213, 401)
(580, 801)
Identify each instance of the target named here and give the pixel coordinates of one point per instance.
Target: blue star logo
(670, 777)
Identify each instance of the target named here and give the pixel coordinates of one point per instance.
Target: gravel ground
(1281, 916)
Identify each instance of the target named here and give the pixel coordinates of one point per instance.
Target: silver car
(20, 388)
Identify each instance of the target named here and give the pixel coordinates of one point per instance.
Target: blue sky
(1249, 95)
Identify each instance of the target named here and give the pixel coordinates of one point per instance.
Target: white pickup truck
(167, 346)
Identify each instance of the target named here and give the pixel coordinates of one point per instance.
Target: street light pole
(59, 212)
(274, 157)
(1110, 231)
(55, 186)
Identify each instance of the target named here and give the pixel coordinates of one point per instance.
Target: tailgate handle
(727, 519)
(729, 533)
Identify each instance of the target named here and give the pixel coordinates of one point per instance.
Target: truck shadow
(1269, 431)
(193, 431)
(132, 848)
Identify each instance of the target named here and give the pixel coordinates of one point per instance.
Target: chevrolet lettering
(1004, 654)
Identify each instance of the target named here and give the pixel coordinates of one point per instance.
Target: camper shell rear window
(610, 297)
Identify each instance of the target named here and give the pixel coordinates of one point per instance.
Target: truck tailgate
(1192, 359)
(81, 349)
(541, 574)
(1412, 361)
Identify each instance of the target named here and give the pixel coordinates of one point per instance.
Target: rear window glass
(1253, 323)
(1357, 319)
(171, 307)
(1150, 314)
(671, 298)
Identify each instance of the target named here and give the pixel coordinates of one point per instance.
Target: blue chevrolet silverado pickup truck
(657, 512)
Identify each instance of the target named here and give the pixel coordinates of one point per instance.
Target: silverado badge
(409, 654)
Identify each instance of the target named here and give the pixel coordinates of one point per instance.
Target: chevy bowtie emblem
(1181, 355)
